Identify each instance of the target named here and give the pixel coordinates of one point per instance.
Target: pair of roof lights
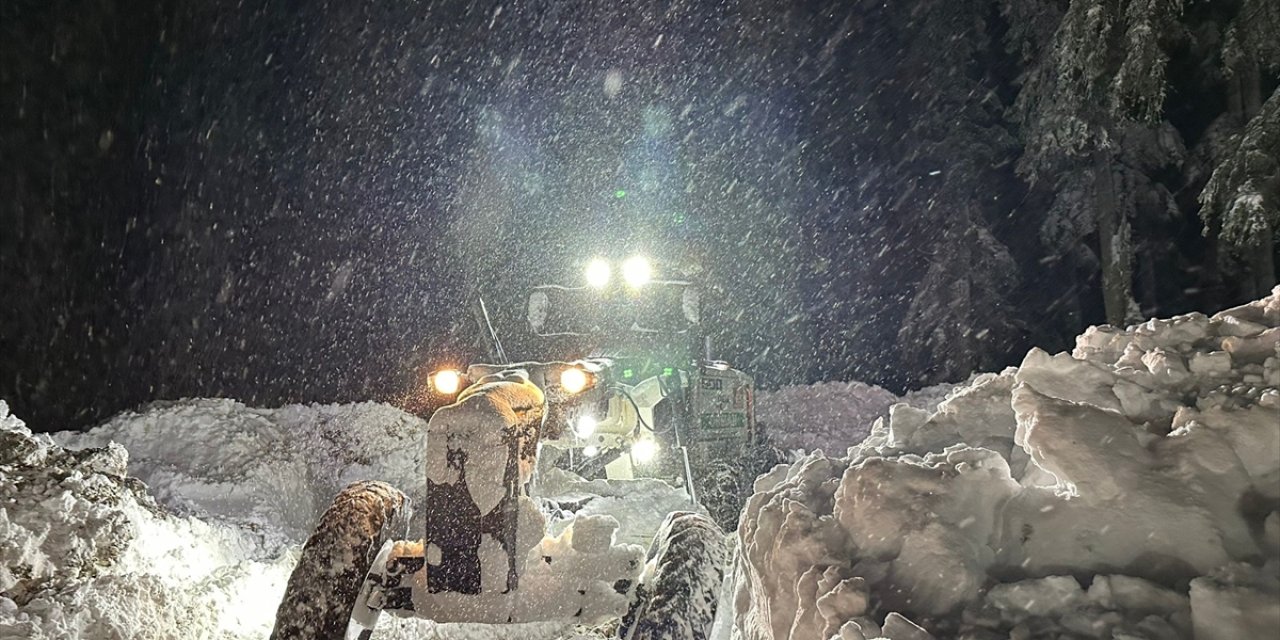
(636, 272)
(447, 382)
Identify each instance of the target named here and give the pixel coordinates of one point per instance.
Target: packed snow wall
(184, 519)
(1130, 489)
(86, 552)
(832, 416)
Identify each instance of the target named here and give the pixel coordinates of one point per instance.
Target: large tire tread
(678, 601)
(323, 588)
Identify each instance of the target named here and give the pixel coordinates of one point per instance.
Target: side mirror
(666, 308)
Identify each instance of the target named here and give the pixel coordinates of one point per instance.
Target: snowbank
(205, 547)
(274, 470)
(828, 416)
(184, 519)
(85, 552)
(832, 416)
(1130, 489)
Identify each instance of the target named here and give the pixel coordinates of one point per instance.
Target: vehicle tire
(723, 485)
(677, 600)
(324, 587)
(719, 484)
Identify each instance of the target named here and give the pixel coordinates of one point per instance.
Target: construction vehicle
(652, 409)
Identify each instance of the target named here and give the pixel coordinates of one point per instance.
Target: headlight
(636, 271)
(585, 427)
(644, 450)
(446, 382)
(598, 273)
(590, 451)
(573, 380)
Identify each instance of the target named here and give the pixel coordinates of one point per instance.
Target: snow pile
(638, 505)
(85, 552)
(1128, 489)
(832, 416)
(205, 547)
(275, 470)
(828, 416)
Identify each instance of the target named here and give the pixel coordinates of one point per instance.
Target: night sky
(296, 201)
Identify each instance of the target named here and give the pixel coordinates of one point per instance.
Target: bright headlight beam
(446, 382)
(585, 426)
(598, 273)
(644, 450)
(636, 271)
(573, 380)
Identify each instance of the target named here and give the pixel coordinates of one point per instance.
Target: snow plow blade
(481, 451)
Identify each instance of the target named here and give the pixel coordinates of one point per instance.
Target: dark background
(295, 201)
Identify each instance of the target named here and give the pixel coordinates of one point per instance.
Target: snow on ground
(1129, 489)
(634, 503)
(271, 469)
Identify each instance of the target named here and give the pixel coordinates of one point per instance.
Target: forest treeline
(1050, 165)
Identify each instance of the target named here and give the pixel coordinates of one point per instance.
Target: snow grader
(657, 410)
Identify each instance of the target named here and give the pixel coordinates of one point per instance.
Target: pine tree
(1238, 201)
(1250, 50)
(1242, 196)
(1102, 80)
(958, 312)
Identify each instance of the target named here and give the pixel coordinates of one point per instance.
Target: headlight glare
(644, 450)
(446, 382)
(598, 273)
(585, 426)
(574, 380)
(637, 271)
